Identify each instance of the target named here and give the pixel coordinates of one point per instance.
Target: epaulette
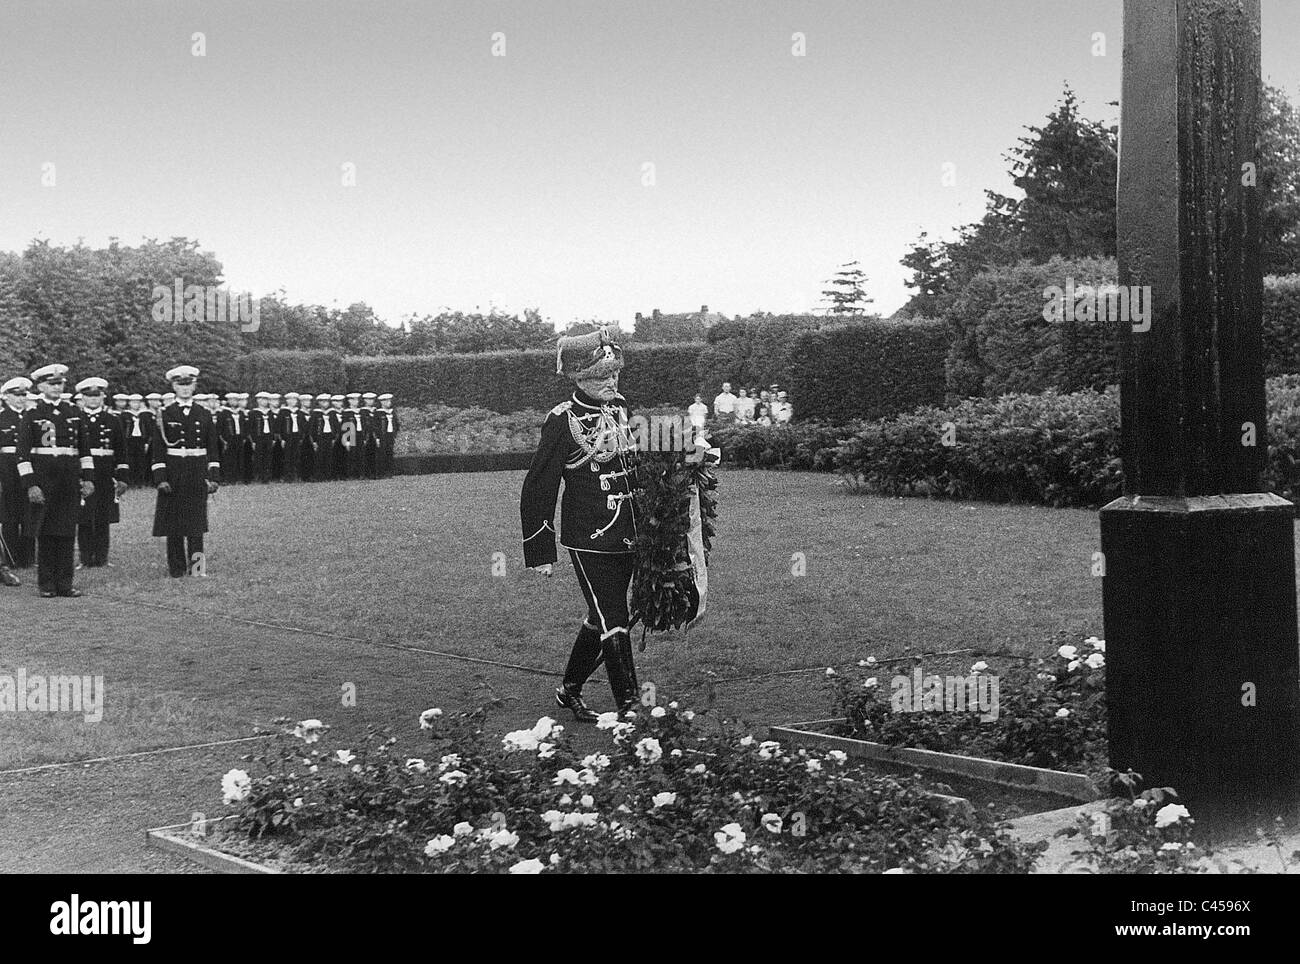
(561, 408)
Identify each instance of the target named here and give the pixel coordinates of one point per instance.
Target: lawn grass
(409, 562)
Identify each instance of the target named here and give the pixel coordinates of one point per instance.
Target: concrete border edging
(180, 840)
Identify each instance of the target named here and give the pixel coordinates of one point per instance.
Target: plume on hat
(590, 354)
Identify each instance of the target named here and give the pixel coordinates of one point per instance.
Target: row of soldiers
(292, 437)
(45, 439)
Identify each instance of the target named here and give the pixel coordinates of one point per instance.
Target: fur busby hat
(593, 354)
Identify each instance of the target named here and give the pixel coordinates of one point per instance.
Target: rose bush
(666, 795)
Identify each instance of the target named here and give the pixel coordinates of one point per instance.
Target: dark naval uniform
(17, 546)
(232, 428)
(588, 445)
(137, 425)
(324, 433)
(354, 454)
(264, 430)
(387, 426)
(293, 429)
(109, 450)
(54, 456)
(186, 442)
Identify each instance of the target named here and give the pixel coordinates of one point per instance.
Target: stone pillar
(1203, 666)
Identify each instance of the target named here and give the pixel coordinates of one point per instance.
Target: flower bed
(665, 796)
(1050, 713)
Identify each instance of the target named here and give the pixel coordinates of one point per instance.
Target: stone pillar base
(1200, 600)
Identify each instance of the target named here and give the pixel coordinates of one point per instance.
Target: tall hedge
(292, 371)
(513, 380)
(753, 352)
(1282, 324)
(867, 370)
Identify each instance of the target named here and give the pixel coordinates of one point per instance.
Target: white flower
(607, 720)
(1170, 814)
(439, 845)
(309, 731)
(1073, 665)
(555, 859)
(746, 740)
(772, 823)
(699, 768)
(664, 799)
(1172, 846)
(648, 750)
(1096, 661)
(463, 829)
(1098, 644)
(502, 838)
(530, 866)
(587, 800)
(567, 775)
(545, 751)
(870, 683)
(1047, 677)
(579, 820)
(454, 778)
(730, 838)
(814, 766)
(595, 761)
(830, 670)
(554, 819)
(675, 753)
(297, 803)
(520, 740)
(543, 727)
(344, 756)
(979, 667)
(416, 765)
(588, 777)
(313, 768)
(449, 762)
(839, 756)
(672, 705)
(621, 730)
(688, 715)
(235, 786)
(767, 749)
(1062, 713)
(869, 661)
(658, 711)
(356, 768)
(1068, 652)
(427, 718)
(566, 800)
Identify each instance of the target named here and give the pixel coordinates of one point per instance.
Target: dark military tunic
(13, 493)
(387, 425)
(587, 445)
(108, 449)
(186, 454)
(54, 454)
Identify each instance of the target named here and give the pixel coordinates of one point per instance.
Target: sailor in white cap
(57, 469)
(137, 423)
(351, 437)
(119, 402)
(17, 548)
(324, 431)
(108, 448)
(369, 436)
(388, 427)
(306, 402)
(264, 430)
(293, 429)
(186, 465)
(232, 428)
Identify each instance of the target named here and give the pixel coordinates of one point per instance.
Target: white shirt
(724, 403)
(699, 414)
(745, 407)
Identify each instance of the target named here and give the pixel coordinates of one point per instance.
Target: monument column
(1203, 666)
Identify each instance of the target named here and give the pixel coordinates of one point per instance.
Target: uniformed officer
(56, 466)
(587, 443)
(293, 429)
(388, 427)
(324, 436)
(263, 429)
(185, 473)
(232, 428)
(108, 448)
(16, 543)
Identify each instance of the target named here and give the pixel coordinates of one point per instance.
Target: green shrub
(1282, 324)
(866, 370)
(807, 446)
(291, 371)
(754, 352)
(512, 381)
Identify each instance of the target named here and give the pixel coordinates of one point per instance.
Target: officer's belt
(57, 450)
(103, 453)
(9, 450)
(188, 453)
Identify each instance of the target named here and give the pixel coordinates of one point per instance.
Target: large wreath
(664, 594)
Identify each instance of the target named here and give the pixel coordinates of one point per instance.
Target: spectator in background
(782, 410)
(724, 405)
(699, 412)
(744, 407)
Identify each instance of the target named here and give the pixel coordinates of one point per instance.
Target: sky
(521, 180)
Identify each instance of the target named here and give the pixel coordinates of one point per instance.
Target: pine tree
(847, 294)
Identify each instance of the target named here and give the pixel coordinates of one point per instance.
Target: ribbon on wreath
(705, 456)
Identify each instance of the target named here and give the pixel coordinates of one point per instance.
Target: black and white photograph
(680, 437)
